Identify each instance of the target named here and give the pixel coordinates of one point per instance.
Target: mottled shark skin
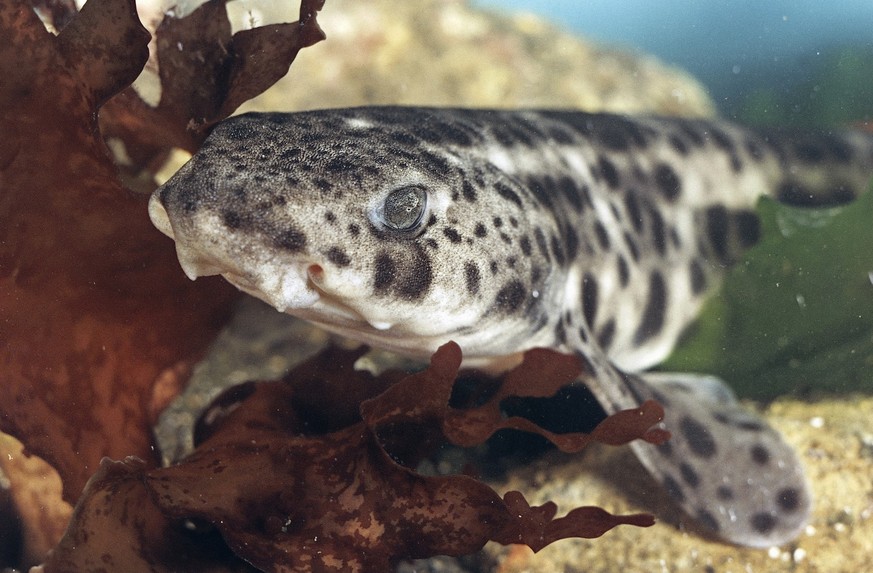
(506, 230)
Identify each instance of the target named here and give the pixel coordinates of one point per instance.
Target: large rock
(442, 52)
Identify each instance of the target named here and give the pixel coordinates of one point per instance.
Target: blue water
(726, 44)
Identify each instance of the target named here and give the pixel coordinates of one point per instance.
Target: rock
(443, 52)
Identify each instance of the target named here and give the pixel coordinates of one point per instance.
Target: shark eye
(403, 209)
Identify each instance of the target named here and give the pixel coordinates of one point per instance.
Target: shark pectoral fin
(724, 465)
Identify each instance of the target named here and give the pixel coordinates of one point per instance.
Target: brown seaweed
(287, 498)
(93, 307)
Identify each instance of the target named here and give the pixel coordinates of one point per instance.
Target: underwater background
(818, 394)
(776, 62)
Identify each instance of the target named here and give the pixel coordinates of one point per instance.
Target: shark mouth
(294, 287)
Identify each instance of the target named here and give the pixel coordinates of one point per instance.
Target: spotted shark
(592, 234)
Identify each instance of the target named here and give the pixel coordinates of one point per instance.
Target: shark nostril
(315, 272)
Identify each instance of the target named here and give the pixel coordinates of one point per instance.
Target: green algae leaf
(796, 314)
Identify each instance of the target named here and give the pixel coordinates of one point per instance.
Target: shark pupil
(404, 208)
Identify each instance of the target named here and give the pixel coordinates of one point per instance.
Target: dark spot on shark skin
(589, 299)
(435, 164)
(541, 244)
(707, 519)
(668, 182)
(524, 243)
(673, 488)
(606, 168)
(724, 493)
(698, 437)
(698, 277)
(736, 163)
(602, 235)
(232, 220)
(510, 298)
(675, 238)
(339, 165)
(480, 230)
(571, 242)
(504, 191)
(721, 139)
(338, 257)
(561, 136)
(788, 499)
(544, 190)
(748, 227)
(322, 184)
(503, 136)
(623, 271)
(840, 194)
(585, 193)
(689, 475)
(536, 274)
(760, 455)
(452, 235)
(655, 310)
(291, 240)
(453, 135)
(572, 193)
(606, 334)
(691, 133)
(417, 276)
(634, 213)
(659, 233)
(557, 251)
(739, 422)
(678, 144)
(385, 271)
(632, 246)
(763, 522)
(717, 229)
(560, 333)
(793, 193)
(471, 273)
